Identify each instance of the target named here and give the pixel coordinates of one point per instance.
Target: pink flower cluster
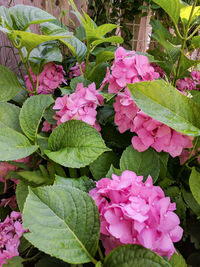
(75, 71)
(81, 105)
(128, 67)
(48, 127)
(133, 212)
(11, 231)
(150, 133)
(189, 83)
(49, 79)
(5, 167)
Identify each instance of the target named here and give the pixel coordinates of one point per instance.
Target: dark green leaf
(75, 144)
(194, 182)
(9, 115)
(21, 194)
(68, 222)
(82, 183)
(142, 163)
(100, 167)
(32, 112)
(9, 84)
(134, 255)
(13, 144)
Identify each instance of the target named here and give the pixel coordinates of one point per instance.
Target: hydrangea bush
(99, 146)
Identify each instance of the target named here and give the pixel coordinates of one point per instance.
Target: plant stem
(100, 254)
(80, 69)
(195, 31)
(183, 44)
(24, 61)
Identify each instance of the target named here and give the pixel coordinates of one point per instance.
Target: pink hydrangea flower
(49, 79)
(158, 69)
(185, 155)
(126, 111)
(128, 67)
(188, 83)
(136, 212)
(150, 133)
(75, 71)
(81, 105)
(11, 231)
(48, 127)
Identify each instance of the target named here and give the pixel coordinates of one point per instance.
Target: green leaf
(48, 261)
(9, 115)
(16, 261)
(24, 16)
(43, 54)
(75, 144)
(100, 167)
(134, 255)
(163, 164)
(78, 48)
(104, 29)
(186, 63)
(163, 102)
(112, 171)
(112, 39)
(194, 182)
(21, 194)
(104, 56)
(67, 225)
(177, 261)
(171, 7)
(9, 84)
(77, 80)
(32, 112)
(185, 13)
(142, 163)
(99, 264)
(82, 183)
(13, 144)
(195, 42)
(35, 178)
(49, 113)
(31, 40)
(191, 202)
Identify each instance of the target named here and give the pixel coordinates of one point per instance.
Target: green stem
(195, 31)
(80, 69)
(183, 44)
(100, 254)
(24, 61)
(86, 62)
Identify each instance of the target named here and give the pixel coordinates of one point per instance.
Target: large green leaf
(9, 84)
(14, 145)
(35, 178)
(32, 112)
(43, 54)
(112, 39)
(82, 183)
(177, 261)
(163, 102)
(31, 40)
(134, 255)
(194, 182)
(21, 194)
(19, 17)
(9, 115)
(14, 262)
(171, 7)
(77, 47)
(185, 13)
(63, 222)
(142, 163)
(195, 43)
(100, 167)
(75, 144)
(104, 56)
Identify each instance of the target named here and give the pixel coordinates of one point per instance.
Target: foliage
(104, 113)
